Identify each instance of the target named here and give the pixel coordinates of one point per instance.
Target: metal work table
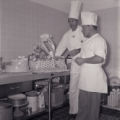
(8, 78)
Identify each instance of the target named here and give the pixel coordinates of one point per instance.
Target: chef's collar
(92, 37)
(96, 34)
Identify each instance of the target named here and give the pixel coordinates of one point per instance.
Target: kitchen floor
(62, 114)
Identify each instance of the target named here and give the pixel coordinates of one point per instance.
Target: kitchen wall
(23, 22)
(118, 67)
(109, 26)
(0, 25)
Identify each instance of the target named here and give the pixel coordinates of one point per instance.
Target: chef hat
(75, 9)
(88, 18)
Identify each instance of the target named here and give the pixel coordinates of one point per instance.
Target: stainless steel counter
(7, 78)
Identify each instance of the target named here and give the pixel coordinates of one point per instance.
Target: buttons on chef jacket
(81, 41)
(73, 36)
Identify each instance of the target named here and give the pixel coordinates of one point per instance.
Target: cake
(18, 65)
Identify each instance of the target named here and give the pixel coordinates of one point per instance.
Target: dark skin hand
(92, 60)
(74, 52)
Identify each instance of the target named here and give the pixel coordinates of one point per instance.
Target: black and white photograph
(59, 59)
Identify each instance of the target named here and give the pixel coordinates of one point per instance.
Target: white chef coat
(72, 40)
(92, 77)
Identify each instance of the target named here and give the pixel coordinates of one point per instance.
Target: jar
(32, 98)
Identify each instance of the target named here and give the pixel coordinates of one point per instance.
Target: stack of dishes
(18, 100)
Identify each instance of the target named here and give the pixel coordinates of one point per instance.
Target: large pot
(6, 111)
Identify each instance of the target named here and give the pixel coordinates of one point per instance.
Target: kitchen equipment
(47, 65)
(42, 65)
(32, 98)
(57, 96)
(6, 111)
(18, 101)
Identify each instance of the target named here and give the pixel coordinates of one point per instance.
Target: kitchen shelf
(109, 110)
(45, 111)
(111, 107)
(16, 78)
(37, 113)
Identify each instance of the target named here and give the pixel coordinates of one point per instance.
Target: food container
(32, 98)
(41, 101)
(6, 111)
(57, 96)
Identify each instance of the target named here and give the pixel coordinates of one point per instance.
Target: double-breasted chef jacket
(92, 76)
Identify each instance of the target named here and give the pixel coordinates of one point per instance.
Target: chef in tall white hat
(75, 9)
(70, 45)
(92, 79)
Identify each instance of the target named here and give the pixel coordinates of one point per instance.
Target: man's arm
(92, 60)
(65, 53)
(74, 52)
(62, 46)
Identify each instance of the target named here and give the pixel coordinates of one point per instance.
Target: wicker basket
(42, 65)
(47, 65)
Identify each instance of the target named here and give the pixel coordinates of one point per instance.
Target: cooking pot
(18, 100)
(6, 111)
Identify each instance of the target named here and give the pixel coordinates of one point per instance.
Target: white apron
(74, 43)
(73, 90)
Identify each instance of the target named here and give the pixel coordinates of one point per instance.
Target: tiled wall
(22, 24)
(0, 25)
(109, 25)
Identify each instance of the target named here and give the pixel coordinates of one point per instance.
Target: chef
(93, 80)
(70, 45)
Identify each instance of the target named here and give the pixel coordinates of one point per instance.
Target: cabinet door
(2, 91)
(15, 88)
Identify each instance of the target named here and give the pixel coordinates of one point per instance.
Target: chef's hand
(79, 60)
(74, 52)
